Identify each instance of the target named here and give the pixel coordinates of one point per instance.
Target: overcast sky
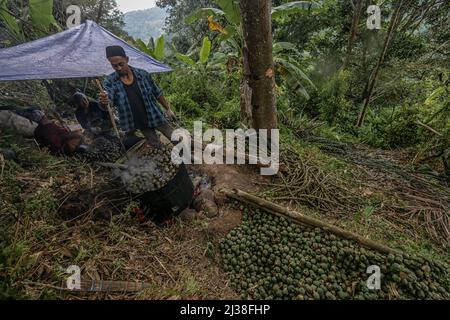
(130, 5)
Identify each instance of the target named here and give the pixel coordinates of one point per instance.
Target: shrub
(395, 128)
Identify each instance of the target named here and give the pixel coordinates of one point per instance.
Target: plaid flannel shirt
(150, 93)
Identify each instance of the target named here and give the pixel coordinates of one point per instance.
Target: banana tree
(41, 14)
(155, 49)
(229, 9)
(286, 59)
(36, 20)
(232, 39)
(12, 28)
(203, 56)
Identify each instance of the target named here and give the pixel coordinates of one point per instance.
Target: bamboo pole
(108, 108)
(429, 128)
(112, 165)
(111, 118)
(108, 286)
(302, 219)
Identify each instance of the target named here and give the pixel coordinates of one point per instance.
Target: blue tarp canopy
(75, 53)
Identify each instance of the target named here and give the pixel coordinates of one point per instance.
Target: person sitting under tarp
(92, 117)
(57, 139)
(12, 120)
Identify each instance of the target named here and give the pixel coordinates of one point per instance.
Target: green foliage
(205, 50)
(212, 97)
(228, 115)
(11, 24)
(40, 203)
(286, 58)
(158, 52)
(12, 269)
(391, 129)
(330, 102)
(203, 13)
(153, 49)
(41, 12)
(184, 58)
(204, 53)
(183, 104)
(231, 9)
(394, 126)
(292, 8)
(334, 104)
(143, 47)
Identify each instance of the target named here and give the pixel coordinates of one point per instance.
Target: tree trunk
(99, 12)
(258, 61)
(374, 76)
(353, 31)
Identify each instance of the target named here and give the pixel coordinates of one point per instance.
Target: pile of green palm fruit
(268, 257)
(102, 150)
(151, 171)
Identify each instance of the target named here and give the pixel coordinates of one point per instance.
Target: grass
(38, 241)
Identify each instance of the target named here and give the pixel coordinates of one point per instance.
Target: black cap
(115, 51)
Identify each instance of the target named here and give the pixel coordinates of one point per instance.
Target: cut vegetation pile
(413, 203)
(416, 201)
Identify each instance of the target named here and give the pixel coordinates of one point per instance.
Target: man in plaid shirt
(134, 94)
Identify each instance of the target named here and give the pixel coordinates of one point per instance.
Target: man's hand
(169, 113)
(103, 98)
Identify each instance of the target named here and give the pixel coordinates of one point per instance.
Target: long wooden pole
(108, 108)
(111, 117)
(302, 219)
(429, 128)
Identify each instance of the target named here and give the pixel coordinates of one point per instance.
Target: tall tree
(357, 8)
(393, 24)
(258, 61)
(184, 35)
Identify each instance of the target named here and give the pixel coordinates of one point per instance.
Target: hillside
(310, 156)
(145, 24)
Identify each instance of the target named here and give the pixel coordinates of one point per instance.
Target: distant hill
(145, 24)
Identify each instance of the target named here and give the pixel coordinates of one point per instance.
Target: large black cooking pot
(171, 199)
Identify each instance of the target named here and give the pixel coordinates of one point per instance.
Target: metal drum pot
(171, 199)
